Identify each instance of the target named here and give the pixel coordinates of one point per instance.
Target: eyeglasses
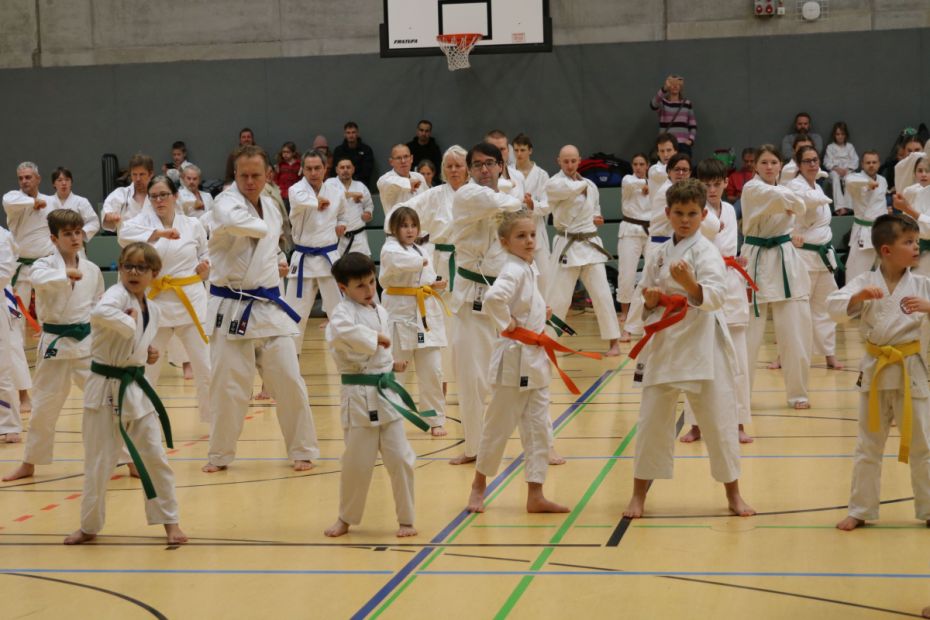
(810, 162)
(682, 170)
(159, 197)
(488, 163)
(130, 268)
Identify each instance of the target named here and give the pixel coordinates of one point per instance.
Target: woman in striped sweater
(676, 114)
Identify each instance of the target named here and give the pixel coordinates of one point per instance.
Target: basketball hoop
(456, 47)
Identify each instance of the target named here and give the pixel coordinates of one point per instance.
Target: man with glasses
(479, 257)
(400, 183)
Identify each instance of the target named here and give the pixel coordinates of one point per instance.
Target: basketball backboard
(410, 27)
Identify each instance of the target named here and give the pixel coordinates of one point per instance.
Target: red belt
(676, 307)
(731, 261)
(525, 336)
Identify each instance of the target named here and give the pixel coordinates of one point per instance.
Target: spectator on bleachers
(424, 146)
(428, 170)
(802, 126)
(738, 178)
(360, 153)
(840, 159)
(286, 169)
(676, 114)
(246, 138)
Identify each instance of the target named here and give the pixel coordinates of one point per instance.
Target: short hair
(748, 151)
(352, 266)
(495, 133)
(842, 126)
(27, 164)
(453, 151)
(799, 138)
(802, 115)
(179, 144)
(161, 178)
(510, 219)
(313, 153)
(64, 219)
(342, 158)
(664, 137)
(246, 129)
(140, 160)
(249, 151)
(483, 148)
(711, 169)
(149, 255)
(350, 125)
(425, 122)
(642, 155)
(523, 140)
(61, 171)
(767, 148)
(871, 152)
(888, 228)
(190, 166)
(676, 158)
(401, 215)
(689, 190)
(398, 146)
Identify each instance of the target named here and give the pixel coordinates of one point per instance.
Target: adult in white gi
(778, 270)
(196, 203)
(512, 180)
(19, 365)
(479, 257)
(400, 183)
(64, 198)
(181, 243)
(866, 191)
(358, 205)
(632, 234)
(840, 158)
(577, 250)
(125, 203)
(534, 184)
(11, 424)
(250, 325)
(318, 219)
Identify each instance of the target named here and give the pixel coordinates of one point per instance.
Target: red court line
(50, 507)
(23, 518)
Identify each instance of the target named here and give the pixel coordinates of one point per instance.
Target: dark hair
(689, 190)
(483, 148)
(802, 114)
(249, 151)
(424, 121)
(664, 137)
(747, 151)
(840, 125)
(401, 215)
(523, 140)
(352, 266)
(800, 153)
(870, 152)
(643, 155)
(342, 158)
(910, 139)
(351, 124)
(798, 139)
(179, 144)
(313, 153)
(61, 171)
(64, 219)
(677, 157)
(149, 255)
(140, 160)
(246, 129)
(287, 145)
(427, 163)
(711, 169)
(172, 186)
(888, 228)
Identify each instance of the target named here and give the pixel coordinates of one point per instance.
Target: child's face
(522, 153)
(640, 166)
(768, 166)
(287, 154)
(135, 274)
(427, 173)
(923, 172)
(685, 218)
(360, 290)
(913, 146)
(408, 232)
(870, 164)
(903, 253)
(63, 185)
(839, 136)
(679, 172)
(69, 241)
(521, 241)
(715, 189)
(665, 150)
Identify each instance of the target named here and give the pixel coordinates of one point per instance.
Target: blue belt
(12, 307)
(262, 294)
(659, 239)
(306, 251)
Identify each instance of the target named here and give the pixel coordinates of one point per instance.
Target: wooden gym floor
(257, 547)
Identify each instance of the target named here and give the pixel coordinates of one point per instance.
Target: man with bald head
(400, 183)
(577, 250)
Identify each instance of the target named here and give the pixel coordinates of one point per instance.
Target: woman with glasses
(179, 290)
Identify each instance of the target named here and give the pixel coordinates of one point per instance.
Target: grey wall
(746, 90)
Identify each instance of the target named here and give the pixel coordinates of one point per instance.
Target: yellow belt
(886, 356)
(421, 293)
(171, 283)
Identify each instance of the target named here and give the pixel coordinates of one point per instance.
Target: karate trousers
(792, 319)
(594, 278)
(52, 385)
(527, 410)
(198, 353)
(329, 291)
(428, 365)
(740, 381)
(474, 343)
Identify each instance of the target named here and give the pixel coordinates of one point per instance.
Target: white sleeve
(110, 315)
(473, 203)
(345, 335)
(46, 276)
(233, 218)
(838, 301)
(498, 298)
(133, 230)
(301, 201)
(560, 188)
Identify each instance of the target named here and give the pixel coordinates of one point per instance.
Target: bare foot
(692, 435)
(79, 537)
(849, 524)
(324, 323)
(339, 528)
(621, 318)
(25, 403)
(438, 431)
(739, 507)
(555, 458)
(744, 437)
(634, 510)
(775, 365)
(832, 364)
(476, 498)
(175, 535)
(463, 459)
(188, 371)
(12, 438)
(614, 350)
(302, 465)
(541, 504)
(210, 468)
(802, 404)
(625, 336)
(25, 470)
(406, 530)
(926, 612)
(445, 388)
(263, 395)
(133, 470)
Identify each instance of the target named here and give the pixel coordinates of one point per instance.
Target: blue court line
(401, 575)
(195, 571)
(655, 573)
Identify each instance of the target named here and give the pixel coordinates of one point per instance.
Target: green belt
(924, 245)
(22, 263)
(824, 251)
(560, 326)
(476, 277)
(386, 381)
(766, 243)
(861, 222)
(78, 331)
(448, 247)
(126, 376)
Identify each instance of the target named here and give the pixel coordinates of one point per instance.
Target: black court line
(154, 612)
(773, 512)
(802, 417)
(97, 542)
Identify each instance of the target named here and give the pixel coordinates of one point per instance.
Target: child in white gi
(120, 406)
(372, 422)
(914, 200)
(577, 250)
(410, 288)
(67, 288)
(693, 354)
(840, 158)
(892, 303)
(519, 373)
(633, 233)
(866, 192)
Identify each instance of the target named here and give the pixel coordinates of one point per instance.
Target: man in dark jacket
(423, 146)
(360, 153)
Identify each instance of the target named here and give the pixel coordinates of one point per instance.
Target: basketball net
(457, 47)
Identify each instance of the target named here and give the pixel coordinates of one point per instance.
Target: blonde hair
(510, 219)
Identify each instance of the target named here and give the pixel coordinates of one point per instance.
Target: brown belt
(643, 223)
(584, 238)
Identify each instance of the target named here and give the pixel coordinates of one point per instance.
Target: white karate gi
(188, 201)
(370, 424)
(632, 239)
(314, 228)
(122, 202)
(180, 258)
(59, 301)
(29, 227)
(695, 356)
(10, 421)
(788, 172)
(574, 206)
(519, 373)
(403, 267)
(477, 248)
(244, 256)
(121, 340)
(769, 211)
(840, 156)
(395, 189)
(868, 205)
(81, 205)
(22, 379)
(904, 174)
(919, 198)
(884, 323)
(814, 228)
(534, 184)
(357, 242)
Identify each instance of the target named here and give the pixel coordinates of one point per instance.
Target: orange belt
(26, 314)
(731, 262)
(525, 336)
(676, 307)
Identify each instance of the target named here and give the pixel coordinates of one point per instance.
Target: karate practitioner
(194, 202)
(359, 208)
(64, 198)
(181, 242)
(914, 200)
(400, 183)
(693, 355)
(577, 250)
(11, 424)
(534, 184)
(67, 288)
(866, 192)
(249, 325)
(372, 417)
(512, 180)
(632, 234)
(120, 407)
(125, 203)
